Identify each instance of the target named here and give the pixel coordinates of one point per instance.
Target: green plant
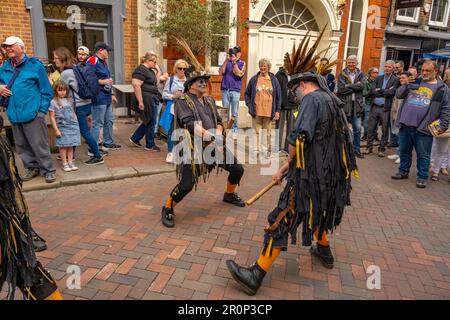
(204, 24)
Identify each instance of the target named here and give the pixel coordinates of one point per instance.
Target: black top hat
(192, 75)
(305, 76)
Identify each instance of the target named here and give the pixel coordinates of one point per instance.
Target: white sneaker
(66, 167)
(393, 157)
(169, 158)
(72, 166)
(397, 161)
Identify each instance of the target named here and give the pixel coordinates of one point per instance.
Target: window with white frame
(222, 42)
(439, 13)
(355, 37)
(408, 15)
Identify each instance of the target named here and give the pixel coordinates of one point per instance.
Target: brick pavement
(113, 232)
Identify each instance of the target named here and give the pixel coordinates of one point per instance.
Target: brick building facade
(42, 26)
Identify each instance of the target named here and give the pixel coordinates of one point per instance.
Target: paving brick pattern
(113, 232)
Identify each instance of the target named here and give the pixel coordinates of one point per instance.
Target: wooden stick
(262, 192)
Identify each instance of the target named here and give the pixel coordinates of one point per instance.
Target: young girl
(65, 124)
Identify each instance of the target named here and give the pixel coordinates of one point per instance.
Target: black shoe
(324, 254)
(399, 176)
(393, 145)
(359, 155)
(38, 243)
(30, 174)
(421, 183)
(102, 153)
(167, 217)
(50, 177)
(107, 147)
(154, 148)
(234, 199)
(135, 143)
(249, 278)
(94, 161)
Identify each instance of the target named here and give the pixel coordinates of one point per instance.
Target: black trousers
(188, 180)
(378, 115)
(286, 120)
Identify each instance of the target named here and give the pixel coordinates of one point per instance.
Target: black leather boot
(234, 199)
(324, 254)
(167, 217)
(249, 278)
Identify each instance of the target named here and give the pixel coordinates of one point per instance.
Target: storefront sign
(402, 4)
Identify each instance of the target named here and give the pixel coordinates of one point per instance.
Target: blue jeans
(410, 138)
(158, 111)
(147, 130)
(82, 114)
(356, 126)
(102, 117)
(230, 100)
(169, 138)
(366, 120)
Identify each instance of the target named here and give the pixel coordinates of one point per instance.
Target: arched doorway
(277, 24)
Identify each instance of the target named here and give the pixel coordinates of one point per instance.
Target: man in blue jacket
(102, 114)
(27, 99)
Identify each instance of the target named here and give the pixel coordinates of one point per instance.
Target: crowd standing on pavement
(403, 103)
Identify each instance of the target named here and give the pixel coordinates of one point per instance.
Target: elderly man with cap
(102, 114)
(318, 172)
(196, 114)
(26, 93)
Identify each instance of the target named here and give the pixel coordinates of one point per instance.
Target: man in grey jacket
(423, 104)
(350, 91)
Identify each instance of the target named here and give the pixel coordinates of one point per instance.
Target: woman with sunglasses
(173, 90)
(145, 101)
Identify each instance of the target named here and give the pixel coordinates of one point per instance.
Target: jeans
(147, 130)
(366, 120)
(169, 138)
(410, 138)
(158, 111)
(356, 127)
(230, 100)
(82, 114)
(102, 117)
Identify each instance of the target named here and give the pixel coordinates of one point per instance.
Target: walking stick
(262, 192)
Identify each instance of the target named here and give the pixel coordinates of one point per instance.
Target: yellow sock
(264, 261)
(55, 296)
(324, 242)
(169, 203)
(231, 188)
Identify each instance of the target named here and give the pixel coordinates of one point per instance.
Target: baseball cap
(13, 40)
(101, 45)
(83, 49)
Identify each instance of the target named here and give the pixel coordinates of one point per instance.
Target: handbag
(166, 118)
(434, 126)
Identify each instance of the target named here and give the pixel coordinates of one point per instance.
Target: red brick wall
(15, 20)
(130, 40)
(374, 38)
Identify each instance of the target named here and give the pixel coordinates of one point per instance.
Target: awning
(438, 54)
(403, 42)
(418, 33)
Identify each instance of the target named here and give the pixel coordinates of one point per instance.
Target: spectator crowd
(398, 111)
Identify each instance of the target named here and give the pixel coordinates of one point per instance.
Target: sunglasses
(184, 69)
(202, 81)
